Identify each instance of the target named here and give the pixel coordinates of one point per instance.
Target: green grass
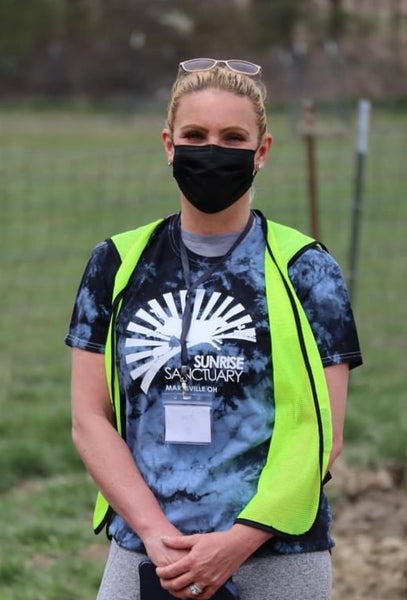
(68, 180)
(46, 551)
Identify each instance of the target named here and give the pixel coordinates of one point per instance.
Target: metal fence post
(361, 151)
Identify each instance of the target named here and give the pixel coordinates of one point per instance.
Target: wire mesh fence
(69, 180)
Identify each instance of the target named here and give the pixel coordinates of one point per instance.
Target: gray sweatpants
(292, 577)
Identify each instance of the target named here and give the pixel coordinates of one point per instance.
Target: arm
(108, 459)
(337, 381)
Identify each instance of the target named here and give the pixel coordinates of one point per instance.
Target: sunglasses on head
(243, 67)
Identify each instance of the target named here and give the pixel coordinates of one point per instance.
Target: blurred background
(97, 49)
(84, 86)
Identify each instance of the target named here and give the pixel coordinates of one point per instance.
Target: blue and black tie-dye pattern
(204, 487)
(321, 289)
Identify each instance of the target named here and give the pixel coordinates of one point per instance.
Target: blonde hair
(223, 79)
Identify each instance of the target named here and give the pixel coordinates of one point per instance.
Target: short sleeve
(321, 289)
(91, 312)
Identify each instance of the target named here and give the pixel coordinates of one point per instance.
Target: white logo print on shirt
(214, 320)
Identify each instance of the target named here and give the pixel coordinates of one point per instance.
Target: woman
(213, 443)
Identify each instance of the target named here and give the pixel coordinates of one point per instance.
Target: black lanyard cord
(187, 314)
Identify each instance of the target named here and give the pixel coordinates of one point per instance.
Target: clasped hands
(206, 560)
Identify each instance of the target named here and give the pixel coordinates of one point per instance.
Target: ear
(168, 145)
(263, 150)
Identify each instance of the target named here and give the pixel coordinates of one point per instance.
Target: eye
(238, 137)
(194, 135)
(234, 137)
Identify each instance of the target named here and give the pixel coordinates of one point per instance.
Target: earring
(169, 163)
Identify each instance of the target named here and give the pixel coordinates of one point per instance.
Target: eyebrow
(228, 129)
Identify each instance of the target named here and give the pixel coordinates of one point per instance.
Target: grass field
(68, 180)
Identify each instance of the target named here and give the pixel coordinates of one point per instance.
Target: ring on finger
(195, 589)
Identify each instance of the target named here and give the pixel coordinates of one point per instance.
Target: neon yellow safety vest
(290, 483)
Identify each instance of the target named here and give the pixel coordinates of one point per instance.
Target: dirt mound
(370, 530)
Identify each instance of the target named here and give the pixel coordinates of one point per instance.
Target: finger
(175, 569)
(180, 587)
(179, 542)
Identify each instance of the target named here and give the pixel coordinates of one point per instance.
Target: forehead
(213, 108)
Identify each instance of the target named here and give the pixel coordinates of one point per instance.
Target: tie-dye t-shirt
(203, 487)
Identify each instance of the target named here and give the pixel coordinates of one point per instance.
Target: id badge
(188, 418)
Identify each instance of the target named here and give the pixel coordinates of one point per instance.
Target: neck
(232, 219)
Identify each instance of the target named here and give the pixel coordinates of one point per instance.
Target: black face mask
(213, 177)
